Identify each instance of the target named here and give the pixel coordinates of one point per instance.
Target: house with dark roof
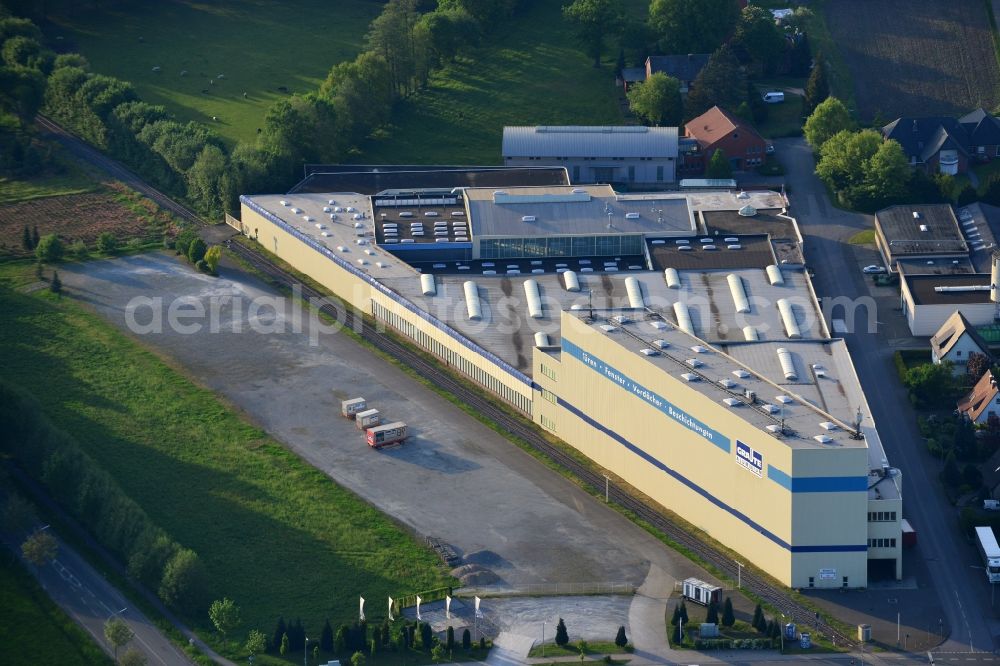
(955, 341)
(947, 145)
(982, 401)
(684, 68)
(717, 129)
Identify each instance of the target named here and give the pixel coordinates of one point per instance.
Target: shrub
(49, 249)
(107, 243)
(78, 249)
(202, 266)
(184, 582)
(196, 250)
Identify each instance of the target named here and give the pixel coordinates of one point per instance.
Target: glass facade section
(562, 246)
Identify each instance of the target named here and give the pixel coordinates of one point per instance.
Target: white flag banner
(447, 607)
(418, 609)
(391, 619)
(479, 613)
(361, 612)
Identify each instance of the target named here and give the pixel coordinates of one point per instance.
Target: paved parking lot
(454, 479)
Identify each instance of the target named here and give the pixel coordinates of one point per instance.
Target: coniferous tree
(279, 631)
(621, 640)
(56, 285)
(326, 637)
(759, 623)
(341, 639)
(283, 650)
(466, 640)
(562, 636)
(817, 88)
(26, 239)
(34, 236)
(712, 614)
(449, 643)
(728, 617)
(683, 612)
(426, 637)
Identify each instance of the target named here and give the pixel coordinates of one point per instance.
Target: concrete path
(646, 617)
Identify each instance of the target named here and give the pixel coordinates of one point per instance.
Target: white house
(955, 341)
(982, 401)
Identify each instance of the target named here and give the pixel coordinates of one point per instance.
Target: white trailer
(701, 592)
(990, 552)
(367, 419)
(351, 407)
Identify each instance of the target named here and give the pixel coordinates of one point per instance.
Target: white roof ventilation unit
(828, 425)
(427, 287)
(673, 278)
(732, 402)
(634, 293)
(534, 299)
(750, 334)
(571, 281)
(774, 275)
(788, 317)
(739, 293)
(472, 303)
(683, 317)
(542, 339)
(787, 364)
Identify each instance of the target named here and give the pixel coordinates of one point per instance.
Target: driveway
(943, 564)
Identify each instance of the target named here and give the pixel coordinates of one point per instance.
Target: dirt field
(81, 217)
(916, 57)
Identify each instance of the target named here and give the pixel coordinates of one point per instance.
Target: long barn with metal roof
(632, 155)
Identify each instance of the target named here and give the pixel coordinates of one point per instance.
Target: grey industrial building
(626, 155)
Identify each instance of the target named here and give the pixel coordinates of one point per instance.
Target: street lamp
(305, 653)
(782, 632)
(739, 574)
(543, 638)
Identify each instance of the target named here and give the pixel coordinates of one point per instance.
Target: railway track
(773, 595)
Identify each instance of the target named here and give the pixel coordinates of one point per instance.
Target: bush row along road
(776, 596)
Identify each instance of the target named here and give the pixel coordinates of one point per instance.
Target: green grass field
(72, 179)
(33, 630)
(257, 45)
(535, 75)
(277, 535)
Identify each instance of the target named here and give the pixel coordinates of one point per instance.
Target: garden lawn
(257, 45)
(531, 73)
(33, 630)
(573, 649)
(784, 119)
(277, 536)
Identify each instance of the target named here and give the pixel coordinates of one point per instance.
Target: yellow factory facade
(797, 513)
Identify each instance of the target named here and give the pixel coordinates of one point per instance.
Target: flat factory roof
(368, 179)
(506, 329)
(774, 402)
(920, 230)
(583, 210)
(724, 253)
(925, 289)
(589, 141)
(350, 239)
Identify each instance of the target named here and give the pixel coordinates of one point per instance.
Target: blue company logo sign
(749, 459)
(654, 399)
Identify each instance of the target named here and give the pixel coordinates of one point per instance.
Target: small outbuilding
(982, 401)
(955, 341)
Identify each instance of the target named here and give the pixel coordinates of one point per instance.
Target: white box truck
(990, 552)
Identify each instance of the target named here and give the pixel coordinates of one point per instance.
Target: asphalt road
(90, 600)
(948, 558)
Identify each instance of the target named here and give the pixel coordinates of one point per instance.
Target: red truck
(386, 435)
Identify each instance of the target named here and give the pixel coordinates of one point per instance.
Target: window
(882, 543)
(881, 516)
(549, 372)
(958, 352)
(550, 396)
(812, 582)
(548, 423)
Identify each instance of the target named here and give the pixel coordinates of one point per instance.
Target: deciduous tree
(594, 20)
(256, 642)
(39, 548)
(692, 26)
(225, 615)
(657, 100)
(829, 118)
(49, 249)
(184, 582)
(758, 35)
(719, 166)
(117, 633)
(133, 657)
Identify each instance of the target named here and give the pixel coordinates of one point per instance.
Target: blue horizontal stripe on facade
(779, 477)
(829, 484)
(659, 402)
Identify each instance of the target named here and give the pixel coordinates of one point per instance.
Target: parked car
(774, 97)
(874, 268)
(770, 149)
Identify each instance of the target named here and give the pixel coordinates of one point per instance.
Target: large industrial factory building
(672, 338)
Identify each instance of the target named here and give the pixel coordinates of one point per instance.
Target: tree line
(403, 47)
(92, 496)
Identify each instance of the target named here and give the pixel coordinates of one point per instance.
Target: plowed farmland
(82, 217)
(917, 57)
